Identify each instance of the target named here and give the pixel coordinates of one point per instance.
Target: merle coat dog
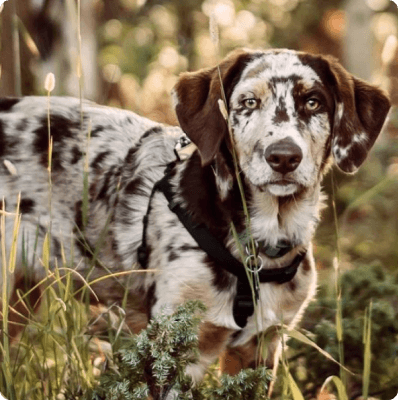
(289, 114)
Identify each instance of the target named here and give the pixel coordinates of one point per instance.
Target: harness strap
(244, 300)
(142, 251)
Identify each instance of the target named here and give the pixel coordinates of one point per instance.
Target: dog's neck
(212, 195)
(293, 219)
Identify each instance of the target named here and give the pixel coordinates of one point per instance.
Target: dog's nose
(284, 156)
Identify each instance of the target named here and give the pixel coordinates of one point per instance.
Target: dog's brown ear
(361, 110)
(196, 96)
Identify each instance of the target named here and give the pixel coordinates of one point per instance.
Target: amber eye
(250, 103)
(312, 104)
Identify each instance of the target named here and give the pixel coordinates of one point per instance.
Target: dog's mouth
(282, 182)
(281, 187)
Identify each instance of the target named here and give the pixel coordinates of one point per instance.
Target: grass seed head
(49, 82)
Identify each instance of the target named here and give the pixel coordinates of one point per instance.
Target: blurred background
(129, 54)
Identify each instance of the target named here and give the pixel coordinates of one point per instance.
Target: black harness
(248, 279)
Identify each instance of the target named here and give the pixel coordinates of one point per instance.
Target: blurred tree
(358, 41)
(10, 82)
(13, 72)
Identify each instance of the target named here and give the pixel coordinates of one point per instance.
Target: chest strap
(243, 306)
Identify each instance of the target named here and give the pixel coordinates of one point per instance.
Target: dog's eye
(250, 103)
(312, 104)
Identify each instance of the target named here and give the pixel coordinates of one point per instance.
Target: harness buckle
(184, 148)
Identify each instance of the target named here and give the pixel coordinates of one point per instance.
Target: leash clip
(251, 263)
(252, 266)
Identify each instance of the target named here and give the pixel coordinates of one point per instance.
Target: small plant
(154, 363)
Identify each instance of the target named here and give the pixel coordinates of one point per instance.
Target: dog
(289, 114)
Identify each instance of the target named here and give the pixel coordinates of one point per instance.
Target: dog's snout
(284, 156)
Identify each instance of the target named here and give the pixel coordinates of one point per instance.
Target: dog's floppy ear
(361, 110)
(196, 96)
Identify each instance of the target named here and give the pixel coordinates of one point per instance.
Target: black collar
(279, 250)
(247, 293)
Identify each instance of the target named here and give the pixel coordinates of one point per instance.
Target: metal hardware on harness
(256, 247)
(184, 148)
(250, 261)
(254, 267)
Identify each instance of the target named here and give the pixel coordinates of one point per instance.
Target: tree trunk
(10, 65)
(358, 43)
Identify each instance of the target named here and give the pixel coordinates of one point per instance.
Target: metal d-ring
(252, 266)
(247, 249)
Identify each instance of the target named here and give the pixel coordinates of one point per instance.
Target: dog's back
(120, 153)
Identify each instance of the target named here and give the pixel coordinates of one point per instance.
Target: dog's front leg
(250, 355)
(213, 340)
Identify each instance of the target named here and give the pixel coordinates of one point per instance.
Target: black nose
(284, 156)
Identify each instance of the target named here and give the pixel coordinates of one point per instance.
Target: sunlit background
(132, 52)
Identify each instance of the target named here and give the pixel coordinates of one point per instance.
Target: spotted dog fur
(290, 112)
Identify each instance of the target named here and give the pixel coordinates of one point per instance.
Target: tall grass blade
(367, 340)
(294, 389)
(13, 249)
(290, 384)
(85, 199)
(46, 252)
(339, 312)
(295, 334)
(341, 392)
(7, 270)
(339, 320)
(223, 107)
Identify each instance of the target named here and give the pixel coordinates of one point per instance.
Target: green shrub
(359, 287)
(154, 363)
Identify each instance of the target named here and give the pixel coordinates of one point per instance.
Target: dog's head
(289, 111)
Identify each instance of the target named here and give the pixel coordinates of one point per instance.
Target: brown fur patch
(212, 338)
(248, 355)
(292, 286)
(305, 265)
(238, 358)
(197, 109)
